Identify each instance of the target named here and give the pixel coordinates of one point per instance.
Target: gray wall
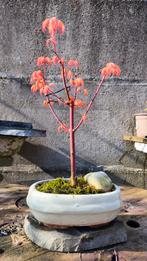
(96, 32)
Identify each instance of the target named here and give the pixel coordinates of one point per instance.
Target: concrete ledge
(31, 173)
(24, 174)
(132, 176)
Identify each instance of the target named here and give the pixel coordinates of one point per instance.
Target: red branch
(72, 145)
(91, 102)
(64, 80)
(56, 116)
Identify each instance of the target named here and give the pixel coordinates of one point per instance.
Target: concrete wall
(96, 32)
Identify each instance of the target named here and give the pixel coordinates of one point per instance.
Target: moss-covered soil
(62, 186)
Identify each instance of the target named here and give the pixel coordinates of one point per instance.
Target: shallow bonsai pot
(73, 210)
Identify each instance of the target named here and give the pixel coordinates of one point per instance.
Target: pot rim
(105, 194)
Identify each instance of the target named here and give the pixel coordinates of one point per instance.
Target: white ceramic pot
(73, 210)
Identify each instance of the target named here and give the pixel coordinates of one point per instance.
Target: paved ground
(16, 247)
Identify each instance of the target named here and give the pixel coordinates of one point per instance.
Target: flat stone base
(74, 239)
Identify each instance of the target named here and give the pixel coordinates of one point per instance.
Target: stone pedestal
(76, 239)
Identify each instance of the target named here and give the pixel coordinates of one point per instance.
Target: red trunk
(72, 146)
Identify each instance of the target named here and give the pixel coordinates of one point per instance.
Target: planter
(141, 124)
(73, 210)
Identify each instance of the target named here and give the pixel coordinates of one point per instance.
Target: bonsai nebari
(71, 95)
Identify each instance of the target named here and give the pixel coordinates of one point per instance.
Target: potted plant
(77, 201)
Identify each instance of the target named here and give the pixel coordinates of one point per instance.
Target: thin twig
(75, 93)
(68, 87)
(55, 95)
(49, 100)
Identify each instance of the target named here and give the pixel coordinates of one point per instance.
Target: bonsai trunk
(72, 147)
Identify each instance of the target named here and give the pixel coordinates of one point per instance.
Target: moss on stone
(62, 186)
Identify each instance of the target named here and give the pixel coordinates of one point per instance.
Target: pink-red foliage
(68, 72)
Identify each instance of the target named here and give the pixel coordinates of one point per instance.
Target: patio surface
(16, 247)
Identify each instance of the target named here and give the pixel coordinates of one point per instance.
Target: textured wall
(96, 32)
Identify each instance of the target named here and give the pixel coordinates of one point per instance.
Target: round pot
(141, 124)
(73, 210)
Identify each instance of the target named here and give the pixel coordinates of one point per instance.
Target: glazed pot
(141, 124)
(73, 210)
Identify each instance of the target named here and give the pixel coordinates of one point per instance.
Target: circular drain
(132, 223)
(21, 203)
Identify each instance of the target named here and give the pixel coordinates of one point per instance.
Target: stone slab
(20, 129)
(74, 239)
(16, 124)
(5, 131)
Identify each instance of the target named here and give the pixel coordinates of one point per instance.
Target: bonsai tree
(71, 95)
(62, 202)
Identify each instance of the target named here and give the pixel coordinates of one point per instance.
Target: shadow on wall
(83, 165)
(57, 164)
(52, 161)
(45, 158)
(127, 150)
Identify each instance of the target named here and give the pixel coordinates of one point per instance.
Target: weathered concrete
(96, 32)
(74, 239)
(9, 145)
(133, 176)
(28, 174)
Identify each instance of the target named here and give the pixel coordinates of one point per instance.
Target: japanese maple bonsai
(46, 206)
(73, 85)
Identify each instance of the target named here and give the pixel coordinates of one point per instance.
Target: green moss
(62, 186)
